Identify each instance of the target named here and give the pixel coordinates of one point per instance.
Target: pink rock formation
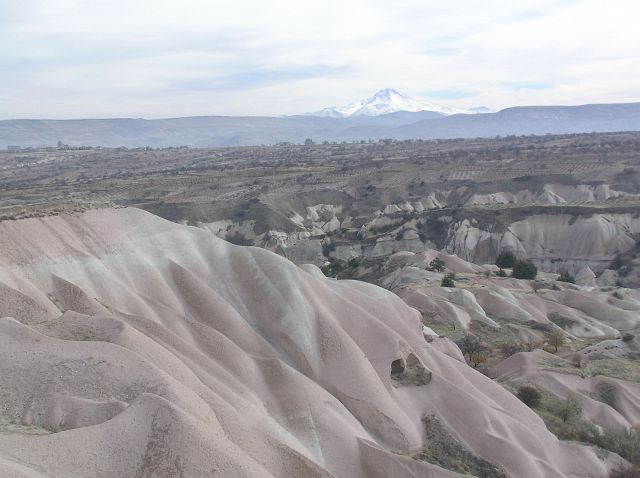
(149, 348)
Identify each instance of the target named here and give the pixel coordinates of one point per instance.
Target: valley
(413, 347)
(565, 202)
(327, 239)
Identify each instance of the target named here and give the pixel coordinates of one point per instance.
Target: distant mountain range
(206, 131)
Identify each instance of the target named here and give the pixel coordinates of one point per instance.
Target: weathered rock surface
(148, 348)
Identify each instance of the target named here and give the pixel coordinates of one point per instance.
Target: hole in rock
(409, 371)
(397, 367)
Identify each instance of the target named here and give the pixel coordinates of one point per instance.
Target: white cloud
(81, 58)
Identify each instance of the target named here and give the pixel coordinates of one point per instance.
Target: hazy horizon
(76, 59)
(116, 117)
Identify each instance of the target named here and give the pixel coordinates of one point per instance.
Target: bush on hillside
(625, 443)
(506, 259)
(437, 265)
(508, 349)
(566, 277)
(569, 409)
(447, 281)
(529, 395)
(564, 419)
(477, 358)
(471, 344)
(524, 270)
(556, 340)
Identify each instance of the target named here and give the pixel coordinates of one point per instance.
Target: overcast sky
(157, 58)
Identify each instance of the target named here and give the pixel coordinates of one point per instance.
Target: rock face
(607, 278)
(585, 277)
(551, 194)
(480, 295)
(163, 351)
(553, 242)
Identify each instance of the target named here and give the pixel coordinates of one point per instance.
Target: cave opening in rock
(397, 366)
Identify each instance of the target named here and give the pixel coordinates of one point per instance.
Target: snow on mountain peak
(384, 102)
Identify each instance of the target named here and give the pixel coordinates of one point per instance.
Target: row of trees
(438, 265)
(522, 269)
(475, 350)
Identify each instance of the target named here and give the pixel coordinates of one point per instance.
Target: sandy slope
(581, 311)
(154, 349)
(537, 367)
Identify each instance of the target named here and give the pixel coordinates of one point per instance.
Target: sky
(158, 58)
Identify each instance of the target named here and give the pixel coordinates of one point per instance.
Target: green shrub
(625, 443)
(566, 277)
(507, 349)
(442, 449)
(529, 395)
(506, 259)
(501, 273)
(556, 340)
(447, 281)
(524, 270)
(437, 265)
(470, 344)
(564, 419)
(577, 429)
(569, 409)
(333, 268)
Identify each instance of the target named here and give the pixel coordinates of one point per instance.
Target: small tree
(437, 265)
(566, 277)
(524, 270)
(536, 286)
(625, 442)
(501, 273)
(477, 358)
(511, 348)
(447, 281)
(506, 259)
(569, 409)
(556, 339)
(470, 344)
(529, 395)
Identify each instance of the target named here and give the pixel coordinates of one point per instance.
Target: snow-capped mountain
(480, 110)
(384, 102)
